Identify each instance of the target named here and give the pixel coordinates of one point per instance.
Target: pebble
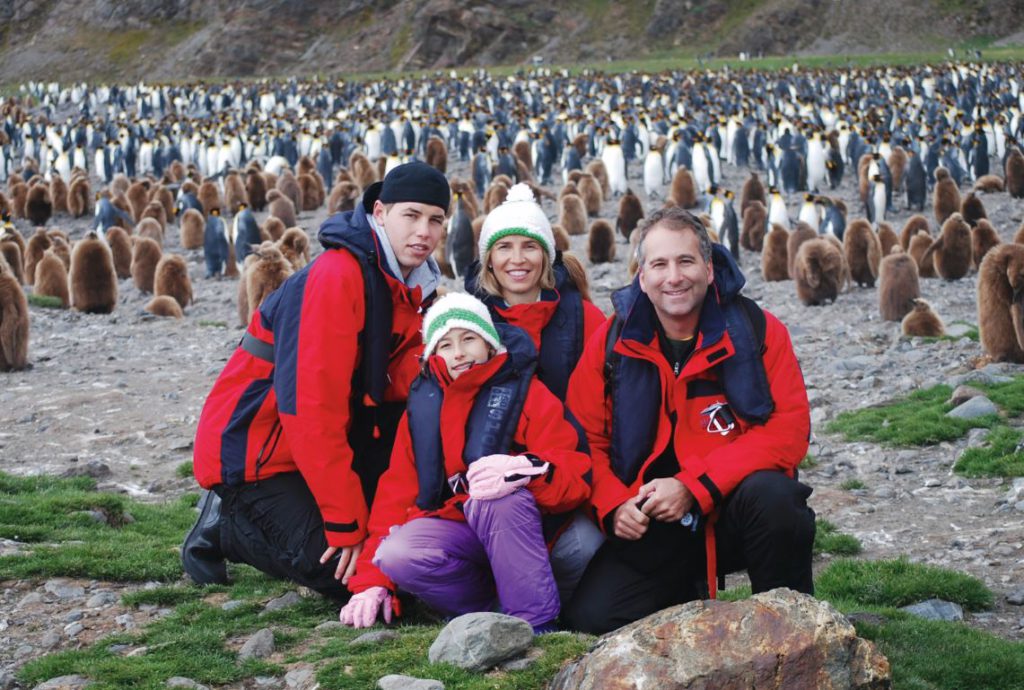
(974, 408)
(1016, 597)
(72, 629)
(374, 637)
(282, 602)
(232, 605)
(181, 682)
(396, 682)
(62, 589)
(65, 683)
(23, 650)
(268, 682)
(936, 610)
(259, 646)
(300, 679)
(330, 625)
(30, 599)
(125, 620)
(74, 615)
(100, 599)
(50, 640)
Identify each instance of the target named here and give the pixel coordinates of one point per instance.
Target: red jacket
(263, 418)
(779, 444)
(534, 316)
(542, 430)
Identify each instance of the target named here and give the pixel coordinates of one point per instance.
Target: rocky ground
(117, 396)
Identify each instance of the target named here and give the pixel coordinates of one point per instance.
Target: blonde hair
(488, 282)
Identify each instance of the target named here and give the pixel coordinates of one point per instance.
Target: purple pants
(461, 567)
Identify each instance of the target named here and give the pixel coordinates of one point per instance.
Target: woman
(525, 282)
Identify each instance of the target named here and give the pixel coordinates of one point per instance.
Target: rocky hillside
(175, 39)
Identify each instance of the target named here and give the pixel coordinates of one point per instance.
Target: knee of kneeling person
(772, 491)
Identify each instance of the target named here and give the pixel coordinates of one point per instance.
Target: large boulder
(776, 639)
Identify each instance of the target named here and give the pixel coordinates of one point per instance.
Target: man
(300, 424)
(695, 409)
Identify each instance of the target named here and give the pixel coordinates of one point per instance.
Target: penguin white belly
(654, 175)
(809, 215)
(778, 213)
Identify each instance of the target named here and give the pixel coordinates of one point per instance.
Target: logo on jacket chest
(717, 418)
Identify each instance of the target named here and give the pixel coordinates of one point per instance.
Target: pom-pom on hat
(520, 214)
(458, 310)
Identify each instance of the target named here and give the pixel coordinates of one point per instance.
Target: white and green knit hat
(458, 310)
(520, 214)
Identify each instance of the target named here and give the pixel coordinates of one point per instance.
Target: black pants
(765, 527)
(275, 526)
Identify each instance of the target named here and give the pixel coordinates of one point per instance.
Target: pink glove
(361, 609)
(496, 476)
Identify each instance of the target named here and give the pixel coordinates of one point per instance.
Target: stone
(936, 610)
(327, 626)
(778, 639)
(978, 406)
(181, 682)
(93, 468)
(259, 646)
(268, 682)
(301, 679)
(375, 637)
(65, 683)
(1016, 597)
(30, 599)
(7, 679)
(72, 629)
(100, 599)
(397, 682)
(962, 394)
(63, 589)
(74, 615)
(50, 640)
(125, 620)
(282, 602)
(479, 641)
(232, 605)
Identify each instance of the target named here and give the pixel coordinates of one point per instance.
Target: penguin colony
(168, 180)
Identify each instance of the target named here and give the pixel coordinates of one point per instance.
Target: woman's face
(518, 263)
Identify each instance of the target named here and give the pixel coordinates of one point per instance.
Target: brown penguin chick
(243, 295)
(305, 165)
(164, 196)
(59, 194)
(863, 252)
(753, 190)
(209, 196)
(922, 322)
(79, 197)
(972, 209)
(887, 238)
(171, 279)
(818, 272)
(281, 206)
(752, 233)
(145, 256)
(150, 227)
(263, 275)
(947, 196)
(155, 210)
(984, 238)
(521, 150)
(61, 248)
(256, 190)
(503, 179)
(835, 242)
(569, 188)
(52, 278)
(863, 182)
(437, 154)
(121, 249)
(362, 170)
(801, 233)
(601, 242)
(562, 242)
(897, 164)
(272, 229)
(19, 199)
(1015, 173)
(684, 189)
(989, 184)
(177, 170)
(6, 208)
(13, 322)
(898, 285)
(234, 192)
(138, 198)
(120, 184)
(523, 173)
(598, 169)
(165, 306)
(294, 245)
(577, 274)
(572, 214)
(915, 224)
(192, 227)
(269, 181)
(37, 245)
(310, 192)
(1018, 237)
(574, 176)
(590, 192)
(631, 212)
(774, 257)
(478, 225)
(1000, 303)
(289, 186)
(10, 251)
(918, 250)
(343, 197)
(579, 143)
(92, 277)
(951, 252)
(495, 195)
(38, 207)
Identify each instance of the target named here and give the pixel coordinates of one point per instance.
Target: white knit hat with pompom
(458, 310)
(520, 214)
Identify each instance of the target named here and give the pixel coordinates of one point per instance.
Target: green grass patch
(852, 485)
(45, 301)
(136, 542)
(206, 323)
(184, 470)
(998, 457)
(828, 539)
(971, 334)
(897, 583)
(809, 462)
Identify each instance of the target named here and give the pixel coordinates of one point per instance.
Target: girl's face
(462, 350)
(518, 263)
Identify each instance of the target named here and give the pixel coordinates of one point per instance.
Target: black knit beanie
(418, 182)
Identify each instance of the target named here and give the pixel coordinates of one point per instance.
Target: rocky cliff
(179, 39)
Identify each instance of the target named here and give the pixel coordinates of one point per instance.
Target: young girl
(483, 451)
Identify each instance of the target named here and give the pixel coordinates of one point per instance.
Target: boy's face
(462, 350)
